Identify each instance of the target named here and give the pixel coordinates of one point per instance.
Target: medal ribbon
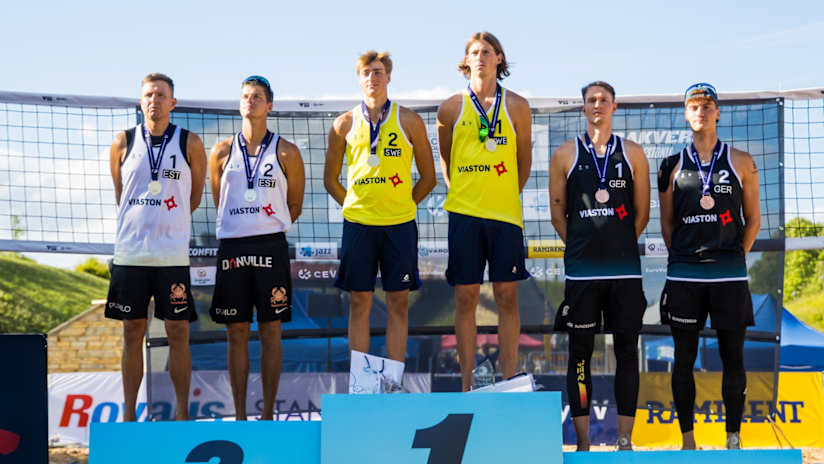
(611, 146)
(487, 126)
(251, 172)
(374, 129)
(706, 179)
(154, 162)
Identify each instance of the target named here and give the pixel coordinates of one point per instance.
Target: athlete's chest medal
(486, 130)
(374, 131)
(602, 194)
(707, 202)
(250, 194)
(154, 186)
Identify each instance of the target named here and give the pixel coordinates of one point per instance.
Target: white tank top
(154, 230)
(268, 213)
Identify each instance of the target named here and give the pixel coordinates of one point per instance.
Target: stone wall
(87, 342)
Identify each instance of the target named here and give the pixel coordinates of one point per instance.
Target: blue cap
(699, 90)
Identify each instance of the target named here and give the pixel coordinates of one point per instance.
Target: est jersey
(482, 183)
(379, 195)
(268, 213)
(601, 241)
(706, 244)
(154, 230)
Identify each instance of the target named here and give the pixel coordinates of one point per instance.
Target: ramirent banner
(78, 399)
(798, 414)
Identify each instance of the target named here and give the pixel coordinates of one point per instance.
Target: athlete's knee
(626, 349)
(177, 332)
(506, 296)
(270, 333)
(133, 332)
(238, 332)
(466, 299)
(360, 303)
(397, 303)
(581, 346)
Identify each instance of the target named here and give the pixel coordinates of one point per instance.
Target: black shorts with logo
(130, 288)
(621, 301)
(253, 271)
(686, 304)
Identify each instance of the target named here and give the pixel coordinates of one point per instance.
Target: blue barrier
(442, 428)
(204, 442)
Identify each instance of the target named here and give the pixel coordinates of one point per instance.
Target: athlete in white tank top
(261, 209)
(154, 226)
(257, 181)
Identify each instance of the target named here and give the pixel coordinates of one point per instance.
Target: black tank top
(706, 244)
(600, 241)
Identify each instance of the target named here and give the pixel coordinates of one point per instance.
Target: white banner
(202, 276)
(316, 250)
(77, 399)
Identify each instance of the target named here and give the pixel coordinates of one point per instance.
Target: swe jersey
(482, 183)
(154, 230)
(380, 195)
(706, 244)
(269, 212)
(600, 240)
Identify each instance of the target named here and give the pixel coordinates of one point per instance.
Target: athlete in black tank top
(601, 236)
(704, 190)
(599, 206)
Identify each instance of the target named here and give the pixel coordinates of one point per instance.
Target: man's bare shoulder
(223, 147)
(633, 149)
(342, 123)
(408, 116)
(513, 98)
(287, 149)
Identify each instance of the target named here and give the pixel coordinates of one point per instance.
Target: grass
(37, 298)
(810, 309)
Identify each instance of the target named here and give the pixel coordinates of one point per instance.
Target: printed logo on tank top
(620, 212)
(482, 169)
(395, 180)
(169, 203)
(725, 218)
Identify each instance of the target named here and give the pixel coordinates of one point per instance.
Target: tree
(94, 267)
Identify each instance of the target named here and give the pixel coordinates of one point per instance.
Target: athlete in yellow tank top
(380, 185)
(484, 176)
(379, 139)
(485, 137)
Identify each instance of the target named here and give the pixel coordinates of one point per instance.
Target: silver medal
(373, 161)
(601, 196)
(155, 188)
(707, 202)
(250, 195)
(491, 144)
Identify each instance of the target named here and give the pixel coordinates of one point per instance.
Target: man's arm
(641, 188)
(413, 125)
(522, 122)
(750, 202)
(334, 156)
(220, 152)
(665, 200)
(197, 164)
(558, 167)
(289, 156)
(447, 114)
(116, 153)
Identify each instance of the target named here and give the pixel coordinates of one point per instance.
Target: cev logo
(304, 274)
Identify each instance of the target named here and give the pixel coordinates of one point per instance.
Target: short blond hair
(367, 58)
(159, 77)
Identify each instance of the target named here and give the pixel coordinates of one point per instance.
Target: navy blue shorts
(474, 241)
(366, 248)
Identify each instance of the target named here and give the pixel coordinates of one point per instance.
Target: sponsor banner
(23, 433)
(316, 250)
(545, 248)
(536, 205)
(655, 246)
(203, 252)
(799, 412)
(314, 270)
(77, 400)
(433, 249)
(203, 276)
(550, 271)
(658, 143)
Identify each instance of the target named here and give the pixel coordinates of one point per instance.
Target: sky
(308, 49)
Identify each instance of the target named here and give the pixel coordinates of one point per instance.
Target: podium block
(687, 457)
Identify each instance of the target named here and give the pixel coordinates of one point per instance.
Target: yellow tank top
(381, 195)
(483, 183)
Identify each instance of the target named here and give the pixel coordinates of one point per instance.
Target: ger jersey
(483, 183)
(601, 241)
(268, 213)
(379, 195)
(706, 244)
(154, 230)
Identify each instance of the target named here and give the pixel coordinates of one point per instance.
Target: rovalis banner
(799, 413)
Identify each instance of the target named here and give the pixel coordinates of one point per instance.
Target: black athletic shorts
(621, 301)
(130, 288)
(253, 271)
(474, 242)
(687, 304)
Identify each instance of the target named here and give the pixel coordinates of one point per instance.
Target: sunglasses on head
(259, 79)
